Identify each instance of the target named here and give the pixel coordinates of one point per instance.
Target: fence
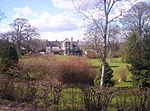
(50, 97)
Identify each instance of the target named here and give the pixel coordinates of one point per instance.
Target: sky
(54, 19)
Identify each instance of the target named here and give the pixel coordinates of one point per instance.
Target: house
(66, 47)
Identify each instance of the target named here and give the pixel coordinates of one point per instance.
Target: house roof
(58, 43)
(53, 43)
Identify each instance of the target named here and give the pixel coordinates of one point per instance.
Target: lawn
(115, 63)
(74, 98)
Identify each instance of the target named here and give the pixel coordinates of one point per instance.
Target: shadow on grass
(99, 66)
(114, 66)
(128, 81)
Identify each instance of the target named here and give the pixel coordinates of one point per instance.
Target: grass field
(73, 98)
(116, 64)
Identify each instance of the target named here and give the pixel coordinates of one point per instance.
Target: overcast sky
(55, 19)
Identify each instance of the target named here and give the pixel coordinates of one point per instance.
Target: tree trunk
(104, 45)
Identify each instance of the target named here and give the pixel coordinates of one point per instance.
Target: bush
(122, 74)
(92, 54)
(76, 71)
(7, 89)
(36, 68)
(108, 74)
(9, 59)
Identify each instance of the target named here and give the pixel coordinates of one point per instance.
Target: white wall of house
(63, 43)
(48, 50)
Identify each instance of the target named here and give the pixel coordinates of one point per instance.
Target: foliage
(133, 99)
(7, 89)
(130, 47)
(38, 68)
(3, 45)
(76, 71)
(107, 77)
(98, 98)
(9, 59)
(138, 57)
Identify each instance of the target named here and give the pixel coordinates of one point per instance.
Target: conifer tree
(108, 82)
(9, 58)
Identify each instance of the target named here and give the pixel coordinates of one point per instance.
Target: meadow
(117, 66)
(38, 88)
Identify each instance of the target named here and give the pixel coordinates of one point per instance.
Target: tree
(3, 45)
(31, 34)
(93, 37)
(9, 36)
(107, 77)
(131, 47)
(24, 33)
(103, 8)
(140, 65)
(113, 41)
(137, 48)
(38, 44)
(2, 15)
(9, 58)
(136, 18)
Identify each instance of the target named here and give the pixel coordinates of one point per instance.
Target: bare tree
(9, 36)
(113, 39)
(24, 33)
(93, 37)
(2, 15)
(105, 8)
(31, 33)
(38, 44)
(137, 17)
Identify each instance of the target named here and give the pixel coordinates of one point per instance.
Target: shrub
(98, 98)
(7, 89)
(25, 92)
(36, 68)
(92, 54)
(122, 74)
(76, 71)
(108, 74)
(9, 59)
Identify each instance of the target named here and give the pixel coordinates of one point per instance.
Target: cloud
(25, 10)
(45, 22)
(65, 4)
(77, 35)
(21, 12)
(60, 22)
(71, 4)
(4, 27)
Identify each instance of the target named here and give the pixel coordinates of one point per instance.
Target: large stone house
(66, 47)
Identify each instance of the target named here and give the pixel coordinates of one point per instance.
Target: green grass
(116, 64)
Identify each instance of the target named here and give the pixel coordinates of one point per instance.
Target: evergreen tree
(130, 47)
(138, 54)
(9, 58)
(108, 82)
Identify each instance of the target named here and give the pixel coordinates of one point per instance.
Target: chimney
(71, 39)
